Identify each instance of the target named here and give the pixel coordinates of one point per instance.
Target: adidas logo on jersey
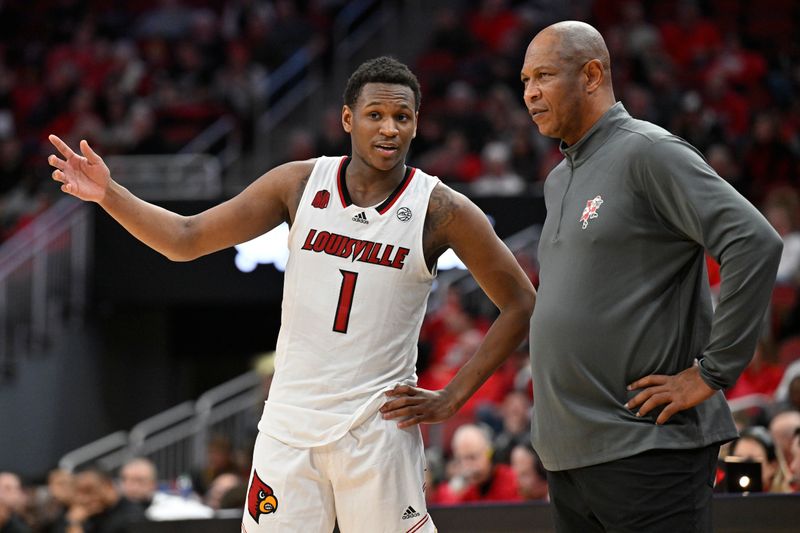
(361, 217)
(410, 513)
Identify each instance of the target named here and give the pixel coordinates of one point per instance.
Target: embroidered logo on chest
(321, 199)
(590, 211)
(404, 214)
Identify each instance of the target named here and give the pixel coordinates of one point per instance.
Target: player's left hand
(679, 392)
(413, 405)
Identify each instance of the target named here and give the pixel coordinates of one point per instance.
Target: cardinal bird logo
(260, 498)
(590, 211)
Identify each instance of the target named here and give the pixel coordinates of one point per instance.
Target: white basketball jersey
(354, 296)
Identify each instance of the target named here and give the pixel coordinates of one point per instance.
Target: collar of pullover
(597, 135)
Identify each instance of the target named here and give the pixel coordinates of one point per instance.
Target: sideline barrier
(732, 514)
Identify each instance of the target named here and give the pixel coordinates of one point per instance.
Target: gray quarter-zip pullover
(624, 292)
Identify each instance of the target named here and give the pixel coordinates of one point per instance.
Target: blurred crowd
(93, 500)
(143, 77)
(146, 77)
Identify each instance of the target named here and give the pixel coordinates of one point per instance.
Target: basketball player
(339, 435)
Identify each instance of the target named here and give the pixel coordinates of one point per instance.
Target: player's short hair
(382, 69)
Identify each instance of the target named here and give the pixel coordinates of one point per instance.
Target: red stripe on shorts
(419, 524)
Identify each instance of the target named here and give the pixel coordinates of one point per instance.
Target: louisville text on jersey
(376, 253)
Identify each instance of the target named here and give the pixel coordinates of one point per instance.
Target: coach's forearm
(505, 336)
(162, 230)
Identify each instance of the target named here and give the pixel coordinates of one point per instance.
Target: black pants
(656, 491)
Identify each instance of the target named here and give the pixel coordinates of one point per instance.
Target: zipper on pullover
(557, 233)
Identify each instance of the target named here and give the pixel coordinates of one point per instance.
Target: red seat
(789, 350)
(784, 298)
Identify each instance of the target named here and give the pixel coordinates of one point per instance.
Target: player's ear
(347, 118)
(416, 123)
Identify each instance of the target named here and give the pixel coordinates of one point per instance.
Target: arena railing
(43, 278)
(167, 440)
(44, 266)
(524, 241)
(108, 453)
(356, 24)
(220, 132)
(231, 409)
(176, 440)
(168, 177)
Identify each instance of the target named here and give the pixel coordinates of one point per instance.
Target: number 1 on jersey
(345, 301)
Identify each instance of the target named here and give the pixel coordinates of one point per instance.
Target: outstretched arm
(257, 209)
(455, 222)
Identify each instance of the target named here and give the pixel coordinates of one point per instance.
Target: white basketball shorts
(371, 480)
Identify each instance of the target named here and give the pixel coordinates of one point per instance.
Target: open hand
(413, 405)
(86, 177)
(679, 392)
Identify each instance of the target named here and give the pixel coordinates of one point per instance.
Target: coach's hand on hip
(679, 392)
(413, 405)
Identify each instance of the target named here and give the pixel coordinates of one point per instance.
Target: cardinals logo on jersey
(260, 498)
(321, 199)
(590, 211)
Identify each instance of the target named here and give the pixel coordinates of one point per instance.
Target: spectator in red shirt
(690, 39)
(738, 65)
(761, 376)
(729, 107)
(476, 478)
(491, 22)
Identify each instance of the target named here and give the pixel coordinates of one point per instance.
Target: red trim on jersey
(397, 193)
(340, 180)
(419, 524)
